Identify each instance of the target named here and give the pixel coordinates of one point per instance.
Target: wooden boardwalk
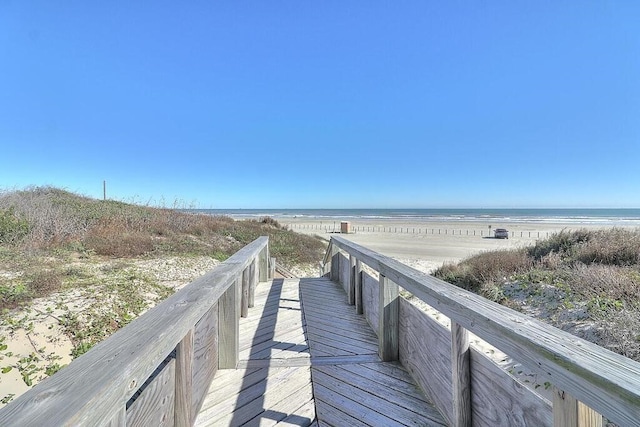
(306, 358)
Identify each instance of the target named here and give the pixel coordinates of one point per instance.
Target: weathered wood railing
(464, 383)
(166, 358)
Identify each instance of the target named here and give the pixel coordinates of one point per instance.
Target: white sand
(35, 337)
(427, 245)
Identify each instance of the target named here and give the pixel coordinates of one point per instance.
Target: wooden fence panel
(357, 286)
(370, 300)
(205, 356)
(344, 272)
(155, 405)
(425, 351)
(389, 300)
(183, 381)
(228, 327)
(498, 399)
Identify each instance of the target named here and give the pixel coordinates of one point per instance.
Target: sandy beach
(428, 245)
(423, 245)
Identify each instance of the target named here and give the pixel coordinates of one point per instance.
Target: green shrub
(13, 227)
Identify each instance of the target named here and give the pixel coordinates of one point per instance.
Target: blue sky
(286, 104)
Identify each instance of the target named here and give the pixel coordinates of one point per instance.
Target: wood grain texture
(273, 390)
(607, 382)
(244, 300)
(425, 351)
(499, 400)
(344, 272)
(388, 321)
(253, 282)
(155, 406)
(205, 356)
(358, 287)
(272, 267)
(587, 417)
(370, 304)
(228, 328)
(263, 269)
(266, 389)
(329, 260)
(119, 418)
(114, 369)
(184, 381)
(460, 376)
(350, 384)
(334, 272)
(351, 289)
(565, 409)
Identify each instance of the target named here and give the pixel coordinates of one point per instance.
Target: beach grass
(73, 270)
(583, 281)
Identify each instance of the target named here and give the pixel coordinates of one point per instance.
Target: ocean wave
(569, 216)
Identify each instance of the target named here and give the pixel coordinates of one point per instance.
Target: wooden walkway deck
(306, 358)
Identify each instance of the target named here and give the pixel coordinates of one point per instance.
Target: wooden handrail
(607, 382)
(94, 389)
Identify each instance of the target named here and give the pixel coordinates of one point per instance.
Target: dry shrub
(59, 218)
(487, 267)
(620, 333)
(267, 220)
(113, 239)
(44, 283)
(615, 246)
(551, 261)
(560, 243)
(605, 281)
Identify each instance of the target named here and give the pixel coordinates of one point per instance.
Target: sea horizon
(604, 216)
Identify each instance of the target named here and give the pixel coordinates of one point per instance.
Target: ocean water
(611, 217)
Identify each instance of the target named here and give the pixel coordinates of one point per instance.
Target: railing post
(359, 306)
(587, 417)
(253, 282)
(272, 267)
(569, 412)
(244, 300)
(335, 264)
(264, 264)
(184, 381)
(565, 409)
(460, 376)
(388, 324)
(351, 294)
(228, 327)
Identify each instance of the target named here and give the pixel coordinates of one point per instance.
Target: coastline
(427, 245)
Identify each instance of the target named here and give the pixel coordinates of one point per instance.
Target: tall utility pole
(104, 190)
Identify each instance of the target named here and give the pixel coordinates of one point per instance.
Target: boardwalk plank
(301, 330)
(394, 397)
(336, 410)
(357, 398)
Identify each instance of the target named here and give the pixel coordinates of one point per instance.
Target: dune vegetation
(586, 282)
(73, 270)
(42, 228)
